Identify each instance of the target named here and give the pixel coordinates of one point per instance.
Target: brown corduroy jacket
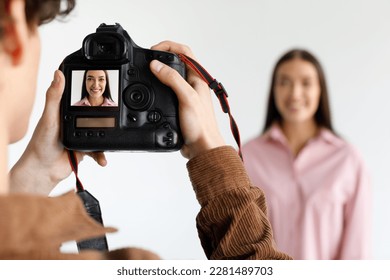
(232, 222)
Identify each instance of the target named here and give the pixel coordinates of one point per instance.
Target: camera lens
(137, 97)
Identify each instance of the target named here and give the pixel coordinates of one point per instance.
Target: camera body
(137, 112)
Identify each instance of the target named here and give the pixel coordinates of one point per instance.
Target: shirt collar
(106, 102)
(84, 102)
(275, 133)
(328, 136)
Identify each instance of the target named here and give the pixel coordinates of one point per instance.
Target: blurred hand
(197, 119)
(45, 161)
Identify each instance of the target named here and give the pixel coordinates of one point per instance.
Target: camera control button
(166, 137)
(77, 134)
(154, 116)
(132, 72)
(89, 133)
(149, 56)
(131, 118)
(138, 97)
(168, 141)
(101, 134)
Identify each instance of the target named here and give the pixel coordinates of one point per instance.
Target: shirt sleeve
(232, 222)
(356, 243)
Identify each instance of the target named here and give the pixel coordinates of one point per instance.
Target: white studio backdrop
(148, 196)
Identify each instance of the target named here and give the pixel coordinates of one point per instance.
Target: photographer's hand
(45, 163)
(197, 119)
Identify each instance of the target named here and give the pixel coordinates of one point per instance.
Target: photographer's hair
(322, 115)
(107, 90)
(37, 11)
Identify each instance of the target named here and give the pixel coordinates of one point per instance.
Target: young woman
(95, 90)
(316, 184)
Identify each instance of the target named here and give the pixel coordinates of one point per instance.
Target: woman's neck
(96, 101)
(298, 134)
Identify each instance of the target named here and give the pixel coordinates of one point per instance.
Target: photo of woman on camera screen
(95, 90)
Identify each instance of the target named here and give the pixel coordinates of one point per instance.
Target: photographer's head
(96, 87)
(19, 56)
(37, 12)
(298, 92)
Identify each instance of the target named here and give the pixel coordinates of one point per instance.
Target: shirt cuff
(215, 172)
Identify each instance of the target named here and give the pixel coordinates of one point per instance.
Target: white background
(148, 196)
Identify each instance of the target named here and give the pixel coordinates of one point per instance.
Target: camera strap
(74, 165)
(92, 207)
(219, 91)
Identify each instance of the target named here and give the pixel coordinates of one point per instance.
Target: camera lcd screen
(95, 88)
(95, 122)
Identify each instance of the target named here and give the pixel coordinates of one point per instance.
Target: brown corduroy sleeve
(232, 222)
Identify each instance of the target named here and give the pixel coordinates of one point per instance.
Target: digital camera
(112, 101)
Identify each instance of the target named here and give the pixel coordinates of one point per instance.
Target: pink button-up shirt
(319, 203)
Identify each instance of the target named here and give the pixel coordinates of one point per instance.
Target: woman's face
(95, 83)
(297, 91)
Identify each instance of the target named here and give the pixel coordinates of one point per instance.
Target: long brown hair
(322, 115)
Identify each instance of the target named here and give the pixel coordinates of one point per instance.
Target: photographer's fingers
(192, 77)
(172, 78)
(169, 46)
(197, 119)
(50, 113)
(47, 130)
(99, 157)
(53, 96)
